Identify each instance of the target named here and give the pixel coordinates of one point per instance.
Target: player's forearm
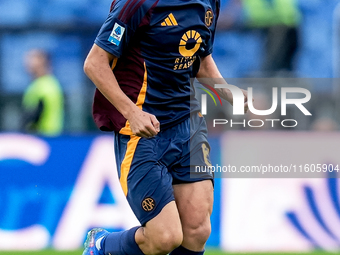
(210, 75)
(97, 68)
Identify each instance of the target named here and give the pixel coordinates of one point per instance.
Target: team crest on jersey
(148, 204)
(209, 17)
(116, 34)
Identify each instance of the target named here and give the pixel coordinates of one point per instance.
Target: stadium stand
(67, 28)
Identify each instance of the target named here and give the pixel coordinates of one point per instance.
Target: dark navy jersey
(158, 45)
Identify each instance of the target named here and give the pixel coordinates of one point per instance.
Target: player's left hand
(227, 95)
(245, 93)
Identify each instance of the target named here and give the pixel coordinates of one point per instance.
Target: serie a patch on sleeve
(116, 34)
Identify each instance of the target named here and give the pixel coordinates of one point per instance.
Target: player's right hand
(143, 124)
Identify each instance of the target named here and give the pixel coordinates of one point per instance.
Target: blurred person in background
(43, 101)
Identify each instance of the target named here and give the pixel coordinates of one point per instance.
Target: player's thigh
(195, 203)
(146, 182)
(193, 190)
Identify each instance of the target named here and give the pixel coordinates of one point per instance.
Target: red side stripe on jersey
(112, 5)
(127, 4)
(129, 14)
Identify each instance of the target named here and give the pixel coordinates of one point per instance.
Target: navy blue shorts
(148, 167)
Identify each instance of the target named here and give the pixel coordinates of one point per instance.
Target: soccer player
(141, 63)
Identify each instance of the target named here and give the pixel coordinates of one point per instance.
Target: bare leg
(194, 202)
(162, 234)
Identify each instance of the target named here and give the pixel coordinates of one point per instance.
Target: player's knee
(202, 233)
(199, 233)
(168, 241)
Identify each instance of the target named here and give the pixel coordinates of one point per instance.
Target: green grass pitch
(208, 252)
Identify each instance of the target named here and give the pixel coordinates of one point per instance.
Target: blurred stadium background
(53, 189)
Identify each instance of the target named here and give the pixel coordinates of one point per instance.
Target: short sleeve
(121, 24)
(208, 48)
